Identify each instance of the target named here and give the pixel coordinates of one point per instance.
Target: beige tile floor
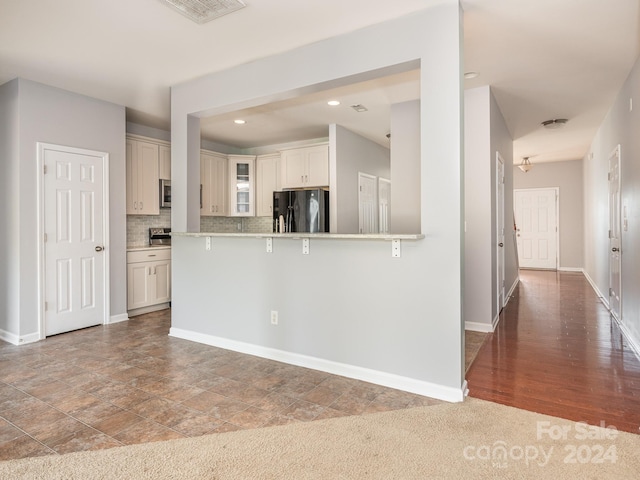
(130, 382)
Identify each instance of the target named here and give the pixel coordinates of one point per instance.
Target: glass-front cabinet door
(242, 185)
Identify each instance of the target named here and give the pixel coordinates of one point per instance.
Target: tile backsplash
(138, 225)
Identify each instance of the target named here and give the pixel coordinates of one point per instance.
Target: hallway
(557, 351)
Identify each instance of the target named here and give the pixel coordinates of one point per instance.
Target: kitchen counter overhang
(299, 235)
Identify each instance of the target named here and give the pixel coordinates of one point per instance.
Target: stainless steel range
(160, 236)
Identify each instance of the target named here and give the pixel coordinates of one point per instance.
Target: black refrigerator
(301, 211)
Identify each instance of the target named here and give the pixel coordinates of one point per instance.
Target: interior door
(537, 227)
(74, 238)
(615, 259)
(384, 205)
(367, 201)
(500, 231)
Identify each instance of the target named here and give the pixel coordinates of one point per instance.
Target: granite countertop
(298, 235)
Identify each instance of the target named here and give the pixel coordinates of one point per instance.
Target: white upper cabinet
(165, 162)
(213, 184)
(305, 167)
(143, 189)
(267, 182)
(242, 185)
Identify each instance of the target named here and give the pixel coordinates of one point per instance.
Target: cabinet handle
(306, 178)
(135, 205)
(141, 205)
(302, 178)
(212, 209)
(151, 255)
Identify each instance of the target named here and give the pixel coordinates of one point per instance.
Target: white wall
(477, 198)
(348, 301)
(620, 127)
(405, 167)
(51, 115)
(353, 154)
(502, 142)
(9, 212)
(485, 134)
(567, 176)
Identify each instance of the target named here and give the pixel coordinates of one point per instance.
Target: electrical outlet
(274, 317)
(207, 243)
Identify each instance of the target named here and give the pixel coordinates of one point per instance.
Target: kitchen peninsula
(349, 306)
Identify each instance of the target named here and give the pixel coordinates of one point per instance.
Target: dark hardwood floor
(557, 351)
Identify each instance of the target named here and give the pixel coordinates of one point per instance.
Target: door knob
(99, 248)
(614, 249)
(501, 244)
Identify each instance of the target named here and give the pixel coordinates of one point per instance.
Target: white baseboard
(486, 327)
(123, 317)
(570, 269)
(603, 299)
(512, 289)
(478, 327)
(419, 387)
(635, 346)
(9, 337)
(16, 340)
(633, 343)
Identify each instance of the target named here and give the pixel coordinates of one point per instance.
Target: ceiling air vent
(203, 11)
(359, 108)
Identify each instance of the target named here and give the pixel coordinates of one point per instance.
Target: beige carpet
(449, 441)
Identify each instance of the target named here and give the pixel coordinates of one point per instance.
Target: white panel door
(74, 257)
(537, 228)
(500, 230)
(368, 203)
(615, 260)
(384, 205)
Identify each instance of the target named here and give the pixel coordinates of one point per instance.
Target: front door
(615, 260)
(74, 263)
(537, 227)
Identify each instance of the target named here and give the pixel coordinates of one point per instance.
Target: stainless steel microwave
(165, 193)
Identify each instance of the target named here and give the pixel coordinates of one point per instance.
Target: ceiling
(544, 59)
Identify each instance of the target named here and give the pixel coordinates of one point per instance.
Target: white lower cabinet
(148, 280)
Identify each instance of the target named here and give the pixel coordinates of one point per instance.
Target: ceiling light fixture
(470, 75)
(239, 121)
(203, 11)
(359, 108)
(333, 103)
(554, 124)
(525, 166)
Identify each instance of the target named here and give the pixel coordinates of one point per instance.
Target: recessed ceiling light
(239, 121)
(333, 103)
(202, 11)
(554, 123)
(470, 75)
